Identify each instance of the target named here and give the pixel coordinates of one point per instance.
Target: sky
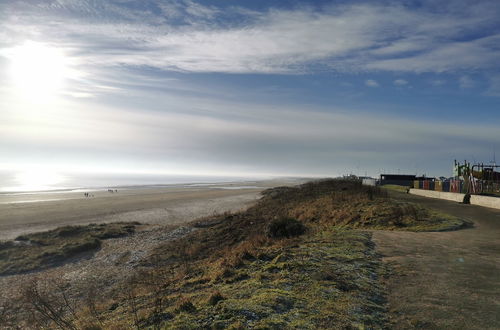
(248, 88)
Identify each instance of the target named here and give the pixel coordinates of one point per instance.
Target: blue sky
(249, 87)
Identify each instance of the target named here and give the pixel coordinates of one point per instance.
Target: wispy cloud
(291, 139)
(188, 36)
(132, 101)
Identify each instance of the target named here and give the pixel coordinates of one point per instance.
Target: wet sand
(25, 213)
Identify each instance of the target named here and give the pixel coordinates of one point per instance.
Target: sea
(16, 182)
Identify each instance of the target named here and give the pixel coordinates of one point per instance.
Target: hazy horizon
(13, 182)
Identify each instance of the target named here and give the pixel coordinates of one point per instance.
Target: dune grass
(301, 258)
(322, 280)
(295, 260)
(396, 187)
(46, 249)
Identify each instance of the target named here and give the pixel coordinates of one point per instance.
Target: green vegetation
(300, 258)
(47, 249)
(327, 280)
(396, 187)
(286, 227)
(348, 204)
(295, 260)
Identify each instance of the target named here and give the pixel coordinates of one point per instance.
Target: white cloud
(289, 139)
(345, 38)
(473, 54)
(200, 11)
(400, 82)
(174, 125)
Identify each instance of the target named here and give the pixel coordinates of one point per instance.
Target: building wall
(405, 183)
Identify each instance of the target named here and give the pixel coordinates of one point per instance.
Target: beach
(165, 205)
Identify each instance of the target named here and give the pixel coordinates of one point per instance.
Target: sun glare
(37, 70)
(37, 180)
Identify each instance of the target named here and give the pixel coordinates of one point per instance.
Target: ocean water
(33, 181)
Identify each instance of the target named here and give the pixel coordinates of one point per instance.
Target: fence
(474, 186)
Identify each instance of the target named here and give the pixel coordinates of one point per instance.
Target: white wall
(455, 197)
(369, 182)
(486, 201)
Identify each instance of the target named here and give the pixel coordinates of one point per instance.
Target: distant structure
(367, 181)
(477, 178)
(397, 179)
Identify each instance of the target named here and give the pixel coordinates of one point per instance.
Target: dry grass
(46, 249)
(235, 271)
(396, 187)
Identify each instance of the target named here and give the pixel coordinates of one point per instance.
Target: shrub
(73, 248)
(466, 199)
(68, 231)
(285, 227)
(215, 298)
(185, 305)
(6, 245)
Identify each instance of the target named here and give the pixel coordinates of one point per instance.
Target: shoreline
(122, 187)
(46, 196)
(7, 197)
(62, 190)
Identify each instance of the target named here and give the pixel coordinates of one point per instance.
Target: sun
(37, 70)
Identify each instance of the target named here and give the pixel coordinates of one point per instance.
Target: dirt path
(447, 280)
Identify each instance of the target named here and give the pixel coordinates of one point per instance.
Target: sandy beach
(25, 213)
